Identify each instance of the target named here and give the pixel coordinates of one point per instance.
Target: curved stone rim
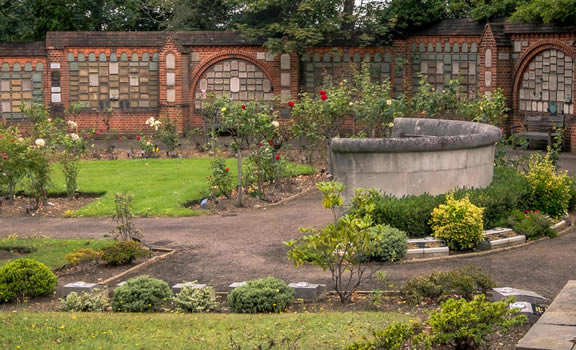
(477, 135)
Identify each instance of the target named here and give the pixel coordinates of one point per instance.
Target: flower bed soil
(273, 193)
(56, 207)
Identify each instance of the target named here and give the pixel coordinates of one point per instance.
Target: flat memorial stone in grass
(235, 285)
(177, 288)
(308, 291)
(519, 295)
(81, 287)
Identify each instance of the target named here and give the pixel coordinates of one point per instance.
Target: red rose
(5, 158)
(277, 157)
(259, 145)
(323, 97)
(527, 211)
(97, 132)
(12, 140)
(226, 169)
(271, 143)
(1, 136)
(291, 104)
(243, 106)
(120, 138)
(536, 211)
(322, 92)
(138, 138)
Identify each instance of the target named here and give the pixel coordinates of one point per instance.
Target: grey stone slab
(80, 287)
(559, 318)
(177, 288)
(234, 285)
(566, 300)
(308, 291)
(548, 337)
(518, 294)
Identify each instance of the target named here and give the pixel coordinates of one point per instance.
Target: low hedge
(509, 191)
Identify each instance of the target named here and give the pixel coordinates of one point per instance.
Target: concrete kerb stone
(482, 253)
(167, 252)
(177, 288)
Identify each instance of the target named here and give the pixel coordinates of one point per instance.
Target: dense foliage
(192, 299)
(24, 278)
(258, 296)
(458, 223)
(141, 294)
(465, 282)
(509, 191)
(280, 24)
(84, 302)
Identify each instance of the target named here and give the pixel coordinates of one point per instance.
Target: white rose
(72, 124)
(275, 124)
(75, 137)
(20, 139)
(40, 143)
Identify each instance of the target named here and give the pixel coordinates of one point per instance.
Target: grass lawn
(27, 330)
(48, 251)
(160, 186)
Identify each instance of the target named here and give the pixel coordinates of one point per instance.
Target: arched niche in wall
(239, 79)
(547, 83)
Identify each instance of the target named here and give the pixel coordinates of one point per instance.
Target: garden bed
(56, 207)
(274, 194)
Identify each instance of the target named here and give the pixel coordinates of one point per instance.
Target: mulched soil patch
(274, 193)
(56, 206)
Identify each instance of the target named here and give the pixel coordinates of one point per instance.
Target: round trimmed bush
(25, 278)
(459, 223)
(263, 295)
(390, 243)
(141, 294)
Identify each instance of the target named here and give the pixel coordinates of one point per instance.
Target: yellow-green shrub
(550, 188)
(83, 255)
(458, 222)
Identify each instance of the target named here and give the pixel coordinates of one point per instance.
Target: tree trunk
(348, 13)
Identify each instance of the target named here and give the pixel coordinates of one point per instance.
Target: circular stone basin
(422, 156)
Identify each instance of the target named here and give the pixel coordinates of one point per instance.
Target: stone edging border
(167, 252)
(288, 199)
(487, 252)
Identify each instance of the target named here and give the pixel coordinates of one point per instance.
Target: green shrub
(532, 224)
(84, 302)
(123, 252)
(391, 243)
(458, 223)
(23, 278)
(83, 255)
(393, 337)
(464, 282)
(410, 214)
(550, 188)
(464, 324)
(141, 294)
(509, 191)
(196, 299)
(264, 295)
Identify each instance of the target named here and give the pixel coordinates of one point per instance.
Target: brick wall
(180, 66)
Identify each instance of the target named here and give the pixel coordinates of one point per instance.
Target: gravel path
(221, 250)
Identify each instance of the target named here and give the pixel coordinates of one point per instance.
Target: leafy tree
(546, 11)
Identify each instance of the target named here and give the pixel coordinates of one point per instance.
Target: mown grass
(49, 251)
(160, 187)
(330, 330)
